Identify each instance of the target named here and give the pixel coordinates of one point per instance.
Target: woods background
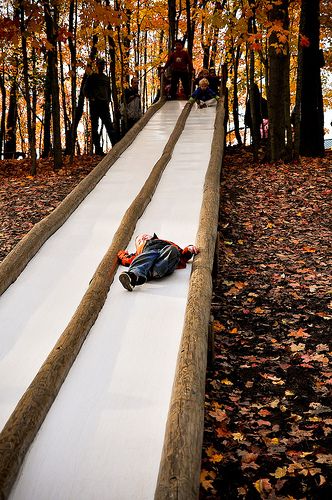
(48, 47)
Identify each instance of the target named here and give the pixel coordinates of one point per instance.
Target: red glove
(192, 249)
(122, 254)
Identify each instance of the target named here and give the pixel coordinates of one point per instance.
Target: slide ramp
(103, 436)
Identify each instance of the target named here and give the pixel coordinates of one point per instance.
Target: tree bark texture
(171, 22)
(31, 130)
(277, 89)
(311, 111)
(3, 114)
(52, 57)
(10, 142)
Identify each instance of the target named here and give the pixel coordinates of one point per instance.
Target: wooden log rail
(30, 412)
(180, 464)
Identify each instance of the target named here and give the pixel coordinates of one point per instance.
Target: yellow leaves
(324, 459)
(280, 472)
(206, 479)
(275, 380)
(297, 347)
(225, 381)
(218, 327)
(213, 455)
(238, 436)
(218, 457)
(263, 486)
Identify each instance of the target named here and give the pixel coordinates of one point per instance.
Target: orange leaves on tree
(304, 41)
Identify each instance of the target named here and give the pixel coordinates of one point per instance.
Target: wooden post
(180, 464)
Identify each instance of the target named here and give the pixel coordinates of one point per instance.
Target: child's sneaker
(128, 280)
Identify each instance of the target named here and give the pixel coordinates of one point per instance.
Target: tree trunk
(71, 138)
(10, 136)
(3, 114)
(80, 102)
(31, 130)
(10, 142)
(296, 118)
(66, 120)
(277, 90)
(312, 115)
(171, 23)
(190, 26)
(235, 98)
(116, 103)
(52, 57)
(255, 132)
(34, 91)
(47, 114)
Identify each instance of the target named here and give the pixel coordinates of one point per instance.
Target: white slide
(102, 438)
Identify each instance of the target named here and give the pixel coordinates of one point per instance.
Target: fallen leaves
(272, 335)
(25, 200)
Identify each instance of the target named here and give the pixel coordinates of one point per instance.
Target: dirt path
(268, 417)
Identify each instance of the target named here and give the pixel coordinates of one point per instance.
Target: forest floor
(268, 415)
(268, 422)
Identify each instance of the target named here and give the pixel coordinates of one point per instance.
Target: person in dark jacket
(132, 101)
(214, 81)
(203, 95)
(154, 258)
(260, 114)
(181, 67)
(97, 89)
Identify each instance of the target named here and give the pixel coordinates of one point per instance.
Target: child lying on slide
(154, 258)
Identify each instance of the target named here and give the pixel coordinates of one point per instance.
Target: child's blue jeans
(155, 263)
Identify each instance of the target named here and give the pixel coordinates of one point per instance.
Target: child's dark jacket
(155, 244)
(204, 95)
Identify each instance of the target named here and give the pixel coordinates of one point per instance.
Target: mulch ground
(268, 420)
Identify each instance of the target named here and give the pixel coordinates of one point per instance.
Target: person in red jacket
(154, 258)
(181, 67)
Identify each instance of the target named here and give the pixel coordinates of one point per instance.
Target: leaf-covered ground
(25, 200)
(268, 418)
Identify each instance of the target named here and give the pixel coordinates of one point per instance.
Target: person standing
(133, 108)
(255, 115)
(98, 90)
(181, 67)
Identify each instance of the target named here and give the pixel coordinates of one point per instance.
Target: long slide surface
(103, 436)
